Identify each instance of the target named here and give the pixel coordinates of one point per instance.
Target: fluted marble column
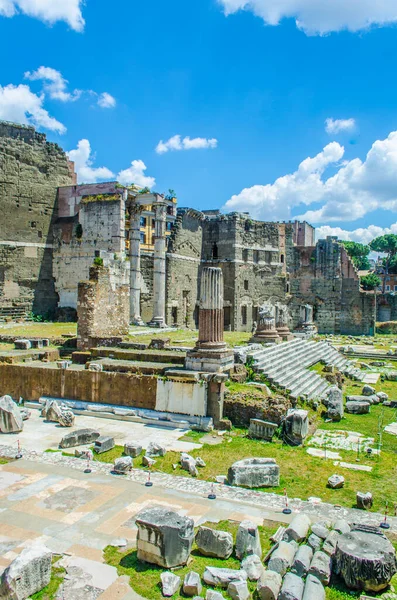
(135, 265)
(159, 264)
(211, 309)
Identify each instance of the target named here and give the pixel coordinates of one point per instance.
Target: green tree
(370, 282)
(386, 244)
(359, 254)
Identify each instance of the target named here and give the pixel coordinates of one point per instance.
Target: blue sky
(247, 85)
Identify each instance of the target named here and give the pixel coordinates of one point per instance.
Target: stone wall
(241, 408)
(125, 389)
(325, 277)
(31, 169)
(103, 307)
(95, 227)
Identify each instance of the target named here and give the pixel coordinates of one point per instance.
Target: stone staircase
(287, 366)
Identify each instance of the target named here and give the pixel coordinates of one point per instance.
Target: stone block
(314, 589)
(253, 566)
(320, 567)
(330, 543)
(122, 464)
(248, 540)
(217, 576)
(255, 473)
(298, 529)
(28, 574)
(147, 461)
(22, 345)
(213, 595)
(80, 437)
(164, 537)
(211, 542)
(192, 584)
(66, 418)
(302, 560)
(296, 426)
(269, 585)
(132, 449)
(368, 390)
(262, 430)
(333, 401)
(341, 526)
(358, 408)
(336, 482)
(10, 417)
(292, 588)
(321, 530)
(170, 584)
(155, 449)
(103, 444)
(238, 590)
(364, 500)
(282, 558)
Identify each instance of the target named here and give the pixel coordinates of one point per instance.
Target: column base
(137, 321)
(158, 322)
(209, 361)
(285, 334)
(269, 336)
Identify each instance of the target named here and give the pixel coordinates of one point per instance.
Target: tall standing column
(210, 353)
(135, 265)
(159, 271)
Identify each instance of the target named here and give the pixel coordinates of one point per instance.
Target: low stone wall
(240, 409)
(126, 389)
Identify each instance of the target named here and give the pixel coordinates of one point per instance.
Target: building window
(256, 256)
(153, 223)
(245, 255)
(33, 224)
(153, 240)
(143, 221)
(246, 284)
(215, 251)
(169, 226)
(282, 258)
(244, 315)
(387, 288)
(143, 238)
(395, 288)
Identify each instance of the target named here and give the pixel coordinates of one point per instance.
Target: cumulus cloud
(319, 17)
(136, 174)
(335, 126)
(177, 143)
(83, 160)
(105, 100)
(54, 84)
(356, 189)
(364, 235)
(56, 87)
(21, 105)
(49, 11)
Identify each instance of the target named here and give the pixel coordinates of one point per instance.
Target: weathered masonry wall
(103, 306)
(31, 169)
(325, 277)
(124, 389)
(97, 226)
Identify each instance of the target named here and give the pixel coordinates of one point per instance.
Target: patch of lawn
(4, 461)
(50, 591)
(44, 330)
(318, 368)
(188, 337)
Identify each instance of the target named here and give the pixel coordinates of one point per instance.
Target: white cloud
(136, 174)
(105, 100)
(357, 188)
(177, 143)
(54, 84)
(49, 11)
(21, 105)
(363, 234)
(319, 17)
(83, 160)
(335, 126)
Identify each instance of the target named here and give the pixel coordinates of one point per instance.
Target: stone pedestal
(307, 328)
(282, 322)
(135, 266)
(210, 353)
(159, 264)
(266, 332)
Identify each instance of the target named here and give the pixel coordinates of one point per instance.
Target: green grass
(318, 368)
(188, 337)
(242, 388)
(50, 591)
(145, 578)
(44, 330)
(4, 461)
